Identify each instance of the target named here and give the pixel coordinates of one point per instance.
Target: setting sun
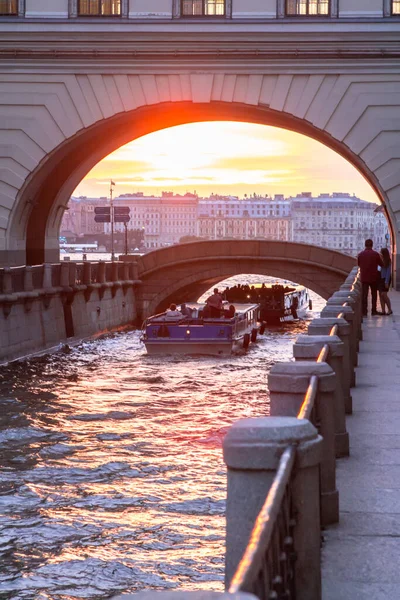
(225, 157)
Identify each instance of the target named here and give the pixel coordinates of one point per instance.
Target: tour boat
(197, 335)
(283, 302)
(277, 302)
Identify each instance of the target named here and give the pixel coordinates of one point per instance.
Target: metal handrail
(306, 409)
(251, 565)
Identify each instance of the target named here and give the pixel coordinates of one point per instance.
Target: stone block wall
(25, 331)
(48, 305)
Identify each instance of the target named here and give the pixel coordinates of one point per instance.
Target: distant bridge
(185, 271)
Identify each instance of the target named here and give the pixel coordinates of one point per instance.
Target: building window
(396, 7)
(9, 7)
(307, 8)
(203, 8)
(99, 8)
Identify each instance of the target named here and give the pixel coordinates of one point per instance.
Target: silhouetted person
(214, 303)
(229, 313)
(185, 310)
(368, 261)
(384, 282)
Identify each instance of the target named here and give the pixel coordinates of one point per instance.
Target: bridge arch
(185, 271)
(62, 126)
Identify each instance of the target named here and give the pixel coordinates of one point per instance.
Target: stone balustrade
(47, 305)
(25, 284)
(281, 469)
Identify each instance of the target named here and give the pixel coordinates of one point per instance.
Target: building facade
(336, 221)
(222, 217)
(81, 78)
(198, 9)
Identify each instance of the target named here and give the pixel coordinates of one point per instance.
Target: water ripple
(112, 473)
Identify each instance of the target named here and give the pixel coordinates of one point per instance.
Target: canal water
(112, 476)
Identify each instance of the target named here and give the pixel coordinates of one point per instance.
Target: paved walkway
(361, 555)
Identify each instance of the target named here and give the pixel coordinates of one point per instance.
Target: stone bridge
(184, 272)
(74, 90)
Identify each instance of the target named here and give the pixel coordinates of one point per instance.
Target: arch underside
(168, 276)
(49, 188)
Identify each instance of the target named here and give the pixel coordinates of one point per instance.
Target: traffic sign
(102, 218)
(121, 210)
(102, 210)
(121, 218)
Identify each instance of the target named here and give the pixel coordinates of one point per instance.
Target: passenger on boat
(229, 313)
(185, 310)
(214, 303)
(173, 313)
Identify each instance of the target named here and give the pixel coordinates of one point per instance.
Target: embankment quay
(42, 306)
(312, 498)
(325, 460)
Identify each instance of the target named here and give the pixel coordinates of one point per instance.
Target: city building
(165, 219)
(78, 219)
(337, 221)
(252, 217)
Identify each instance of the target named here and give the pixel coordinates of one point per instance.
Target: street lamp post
(126, 238)
(112, 220)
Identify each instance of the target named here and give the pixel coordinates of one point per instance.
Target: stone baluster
(101, 272)
(134, 268)
(324, 326)
(252, 450)
(87, 273)
(334, 311)
(308, 347)
(28, 279)
(72, 274)
(64, 275)
(7, 281)
(288, 384)
(125, 270)
(114, 271)
(353, 299)
(47, 279)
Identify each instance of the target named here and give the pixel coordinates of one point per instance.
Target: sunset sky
(226, 158)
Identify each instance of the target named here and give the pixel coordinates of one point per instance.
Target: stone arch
(185, 271)
(57, 128)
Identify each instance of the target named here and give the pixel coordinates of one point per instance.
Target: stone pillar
(7, 281)
(353, 299)
(64, 275)
(134, 268)
(125, 270)
(114, 271)
(324, 327)
(28, 279)
(308, 347)
(101, 272)
(334, 311)
(87, 273)
(288, 384)
(47, 281)
(252, 450)
(72, 274)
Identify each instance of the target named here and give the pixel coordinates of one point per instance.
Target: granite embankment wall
(45, 305)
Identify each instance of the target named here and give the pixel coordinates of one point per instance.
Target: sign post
(122, 215)
(112, 220)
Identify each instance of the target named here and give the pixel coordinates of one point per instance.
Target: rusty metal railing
(267, 566)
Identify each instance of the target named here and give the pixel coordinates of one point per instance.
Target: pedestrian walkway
(361, 555)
